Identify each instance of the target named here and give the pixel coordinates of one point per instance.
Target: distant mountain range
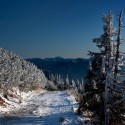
(74, 68)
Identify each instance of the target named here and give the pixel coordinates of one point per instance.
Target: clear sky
(50, 28)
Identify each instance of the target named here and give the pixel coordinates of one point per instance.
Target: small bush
(61, 119)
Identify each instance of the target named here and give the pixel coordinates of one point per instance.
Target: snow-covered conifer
(98, 80)
(15, 71)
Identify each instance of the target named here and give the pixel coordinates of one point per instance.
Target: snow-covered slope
(15, 71)
(46, 108)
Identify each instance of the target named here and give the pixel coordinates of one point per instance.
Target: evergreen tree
(116, 102)
(16, 72)
(67, 82)
(104, 87)
(73, 84)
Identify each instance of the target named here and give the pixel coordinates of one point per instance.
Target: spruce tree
(101, 84)
(116, 102)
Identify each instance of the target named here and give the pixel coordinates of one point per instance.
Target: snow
(42, 108)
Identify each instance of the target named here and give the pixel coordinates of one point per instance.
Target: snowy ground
(41, 108)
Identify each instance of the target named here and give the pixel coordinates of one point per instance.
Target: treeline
(65, 83)
(15, 71)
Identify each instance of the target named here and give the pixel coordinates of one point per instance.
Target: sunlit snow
(42, 108)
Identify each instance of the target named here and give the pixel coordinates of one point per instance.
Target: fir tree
(116, 102)
(104, 87)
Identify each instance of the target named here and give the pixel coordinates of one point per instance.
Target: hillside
(23, 96)
(15, 71)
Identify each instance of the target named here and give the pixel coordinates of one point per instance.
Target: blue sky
(50, 28)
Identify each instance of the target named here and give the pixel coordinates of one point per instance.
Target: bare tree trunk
(118, 42)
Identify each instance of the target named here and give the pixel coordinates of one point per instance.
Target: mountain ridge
(74, 67)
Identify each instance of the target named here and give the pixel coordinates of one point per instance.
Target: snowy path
(48, 108)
